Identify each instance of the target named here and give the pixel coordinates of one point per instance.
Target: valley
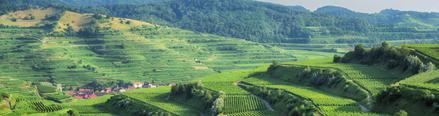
(194, 57)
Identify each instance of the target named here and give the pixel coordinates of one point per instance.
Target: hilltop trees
(195, 91)
(392, 57)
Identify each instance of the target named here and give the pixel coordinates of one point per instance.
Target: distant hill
(107, 2)
(263, 22)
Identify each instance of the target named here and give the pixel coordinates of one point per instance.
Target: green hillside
(214, 58)
(123, 48)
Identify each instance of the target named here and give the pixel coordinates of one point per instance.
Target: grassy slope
(158, 97)
(235, 105)
(89, 106)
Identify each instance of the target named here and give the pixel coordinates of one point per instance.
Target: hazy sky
(369, 6)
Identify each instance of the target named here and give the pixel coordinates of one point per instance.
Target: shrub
(73, 113)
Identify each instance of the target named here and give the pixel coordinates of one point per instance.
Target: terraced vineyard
(373, 78)
(89, 106)
(329, 104)
(428, 52)
(243, 103)
(138, 50)
(427, 80)
(157, 97)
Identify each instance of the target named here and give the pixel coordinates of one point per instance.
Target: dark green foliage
(126, 105)
(14, 5)
(107, 2)
(207, 98)
(391, 56)
(89, 31)
(337, 58)
(69, 31)
(425, 100)
(100, 84)
(29, 17)
(292, 105)
(72, 113)
(401, 113)
(13, 19)
(219, 104)
(245, 19)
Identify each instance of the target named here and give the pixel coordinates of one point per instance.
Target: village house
(149, 85)
(85, 96)
(107, 90)
(138, 84)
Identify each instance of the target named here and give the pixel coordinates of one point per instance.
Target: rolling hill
(82, 47)
(264, 22)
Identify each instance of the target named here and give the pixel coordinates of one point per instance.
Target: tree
(72, 113)
(385, 44)
(337, 59)
(218, 104)
(13, 19)
(428, 67)
(414, 64)
(401, 113)
(69, 30)
(275, 63)
(88, 31)
(359, 51)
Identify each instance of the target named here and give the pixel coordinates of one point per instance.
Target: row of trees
(294, 105)
(133, 107)
(207, 99)
(392, 57)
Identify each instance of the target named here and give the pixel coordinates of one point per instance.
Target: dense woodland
(258, 21)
